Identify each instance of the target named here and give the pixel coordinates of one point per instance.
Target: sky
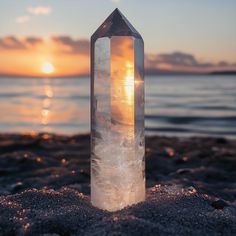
(52, 36)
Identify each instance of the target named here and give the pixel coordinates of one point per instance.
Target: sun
(47, 68)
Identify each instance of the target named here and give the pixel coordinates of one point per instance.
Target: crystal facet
(117, 115)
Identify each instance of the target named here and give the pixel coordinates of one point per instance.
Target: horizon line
(162, 73)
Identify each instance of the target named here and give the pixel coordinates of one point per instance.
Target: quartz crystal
(117, 115)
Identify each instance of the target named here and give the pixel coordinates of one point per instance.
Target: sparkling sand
(44, 188)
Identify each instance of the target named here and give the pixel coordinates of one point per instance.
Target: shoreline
(44, 188)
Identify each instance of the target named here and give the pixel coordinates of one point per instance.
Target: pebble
(183, 171)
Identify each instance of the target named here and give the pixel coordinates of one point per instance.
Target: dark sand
(44, 188)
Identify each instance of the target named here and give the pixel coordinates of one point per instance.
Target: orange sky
(66, 56)
(31, 56)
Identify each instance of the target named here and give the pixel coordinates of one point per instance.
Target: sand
(44, 188)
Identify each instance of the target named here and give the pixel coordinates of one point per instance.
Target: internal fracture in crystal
(117, 114)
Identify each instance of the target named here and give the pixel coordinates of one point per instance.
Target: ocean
(174, 105)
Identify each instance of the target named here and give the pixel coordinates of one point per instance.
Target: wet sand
(44, 188)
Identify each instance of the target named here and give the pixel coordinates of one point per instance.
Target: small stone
(183, 171)
(170, 151)
(115, 218)
(39, 159)
(191, 190)
(18, 186)
(219, 204)
(64, 161)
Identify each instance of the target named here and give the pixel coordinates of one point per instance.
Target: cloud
(70, 45)
(15, 43)
(176, 59)
(22, 19)
(60, 44)
(33, 40)
(11, 42)
(39, 10)
(179, 61)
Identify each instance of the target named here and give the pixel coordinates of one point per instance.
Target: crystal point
(115, 25)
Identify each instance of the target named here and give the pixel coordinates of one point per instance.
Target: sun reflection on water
(46, 107)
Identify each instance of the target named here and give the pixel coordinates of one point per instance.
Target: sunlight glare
(48, 68)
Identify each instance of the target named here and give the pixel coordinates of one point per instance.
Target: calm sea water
(175, 105)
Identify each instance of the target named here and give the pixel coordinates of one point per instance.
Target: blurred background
(190, 63)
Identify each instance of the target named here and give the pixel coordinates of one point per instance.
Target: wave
(188, 130)
(190, 119)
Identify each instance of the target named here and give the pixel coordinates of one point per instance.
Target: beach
(45, 188)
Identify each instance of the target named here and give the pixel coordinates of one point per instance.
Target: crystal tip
(116, 24)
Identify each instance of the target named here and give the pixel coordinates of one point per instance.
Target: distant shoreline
(223, 73)
(162, 73)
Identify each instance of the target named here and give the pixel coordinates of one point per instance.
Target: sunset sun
(47, 68)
